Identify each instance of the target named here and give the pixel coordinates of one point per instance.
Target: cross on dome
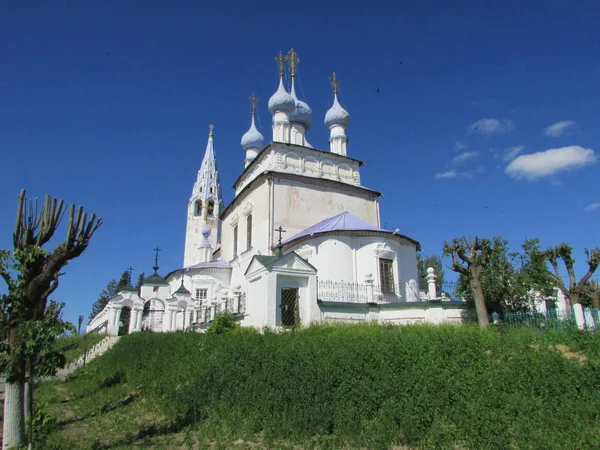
(211, 127)
(293, 60)
(253, 102)
(335, 82)
(280, 60)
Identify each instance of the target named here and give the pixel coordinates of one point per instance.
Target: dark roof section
(257, 157)
(296, 176)
(182, 290)
(267, 260)
(155, 280)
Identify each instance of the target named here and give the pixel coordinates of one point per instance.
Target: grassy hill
(334, 387)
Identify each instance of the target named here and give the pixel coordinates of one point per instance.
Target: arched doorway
(153, 315)
(124, 320)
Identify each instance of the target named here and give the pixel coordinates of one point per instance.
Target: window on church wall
(210, 208)
(235, 241)
(386, 275)
(201, 294)
(212, 190)
(198, 209)
(249, 232)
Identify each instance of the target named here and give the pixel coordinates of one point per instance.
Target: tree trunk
(13, 432)
(482, 314)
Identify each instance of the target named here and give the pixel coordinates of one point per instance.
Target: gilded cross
(280, 59)
(279, 230)
(334, 82)
(211, 127)
(253, 101)
(293, 60)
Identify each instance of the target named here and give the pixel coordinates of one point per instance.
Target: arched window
(198, 209)
(210, 209)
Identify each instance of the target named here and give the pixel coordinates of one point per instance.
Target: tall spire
(204, 206)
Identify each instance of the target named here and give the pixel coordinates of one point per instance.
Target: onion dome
(252, 139)
(281, 100)
(302, 112)
(336, 115)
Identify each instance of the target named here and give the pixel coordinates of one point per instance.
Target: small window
(201, 294)
(198, 210)
(212, 190)
(235, 240)
(210, 209)
(201, 189)
(386, 276)
(249, 232)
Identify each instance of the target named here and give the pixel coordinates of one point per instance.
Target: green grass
(335, 387)
(74, 346)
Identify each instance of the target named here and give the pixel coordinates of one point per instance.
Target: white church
(301, 242)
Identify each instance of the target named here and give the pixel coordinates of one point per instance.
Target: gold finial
(334, 82)
(293, 60)
(211, 127)
(253, 101)
(280, 59)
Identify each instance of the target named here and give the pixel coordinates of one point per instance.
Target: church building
(301, 242)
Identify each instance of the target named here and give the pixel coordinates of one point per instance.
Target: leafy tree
(574, 290)
(31, 274)
(469, 257)
(438, 268)
(511, 280)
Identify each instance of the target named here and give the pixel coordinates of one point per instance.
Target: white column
(369, 282)
(579, 316)
(431, 283)
(132, 321)
(169, 320)
(186, 318)
(113, 324)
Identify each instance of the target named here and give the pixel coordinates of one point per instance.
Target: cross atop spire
(293, 60)
(253, 102)
(335, 82)
(130, 269)
(280, 60)
(211, 127)
(156, 259)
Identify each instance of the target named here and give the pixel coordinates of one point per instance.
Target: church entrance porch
(290, 307)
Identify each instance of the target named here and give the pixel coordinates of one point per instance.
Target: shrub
(374, 387)
(223, 323)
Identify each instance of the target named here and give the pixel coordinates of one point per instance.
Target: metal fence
(334, 291)
(551, 320)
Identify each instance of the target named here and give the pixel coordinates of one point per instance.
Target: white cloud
(462, 157)
(592, 207)
(460, 145)
(559, 128)
(550, 162)
(488, 127)
(508, 154)
(451, 174)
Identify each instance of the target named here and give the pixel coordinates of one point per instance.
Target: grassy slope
(74, 346)
(334, 387)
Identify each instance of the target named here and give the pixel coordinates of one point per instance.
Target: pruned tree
(32, 274)
(469, 256)
(573, 290)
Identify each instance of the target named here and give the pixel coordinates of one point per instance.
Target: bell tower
(204, 208)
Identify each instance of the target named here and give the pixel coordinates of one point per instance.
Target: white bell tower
(204, 208)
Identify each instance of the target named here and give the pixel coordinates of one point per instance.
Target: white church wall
(256, 301)
(299, 205)
(305, 161)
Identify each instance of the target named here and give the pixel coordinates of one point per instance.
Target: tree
(107, 293)
(591, 294)
(469, 257)
(140, 281)
(511, 280)
(32, 274)
(438, 268)
(573, 290)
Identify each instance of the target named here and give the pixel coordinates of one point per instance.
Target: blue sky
(107, 104)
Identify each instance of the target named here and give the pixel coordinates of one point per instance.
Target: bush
(223, 323)
(374, 387)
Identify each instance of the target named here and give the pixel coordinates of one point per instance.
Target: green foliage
(72, 347)
(510, 279)
(435, 262)
(367, 386)
(223, 323)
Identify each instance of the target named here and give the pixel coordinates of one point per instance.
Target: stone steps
(95, 351)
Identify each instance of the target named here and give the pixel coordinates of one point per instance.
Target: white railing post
(431, 283)
(369, 282)
(579, 316)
